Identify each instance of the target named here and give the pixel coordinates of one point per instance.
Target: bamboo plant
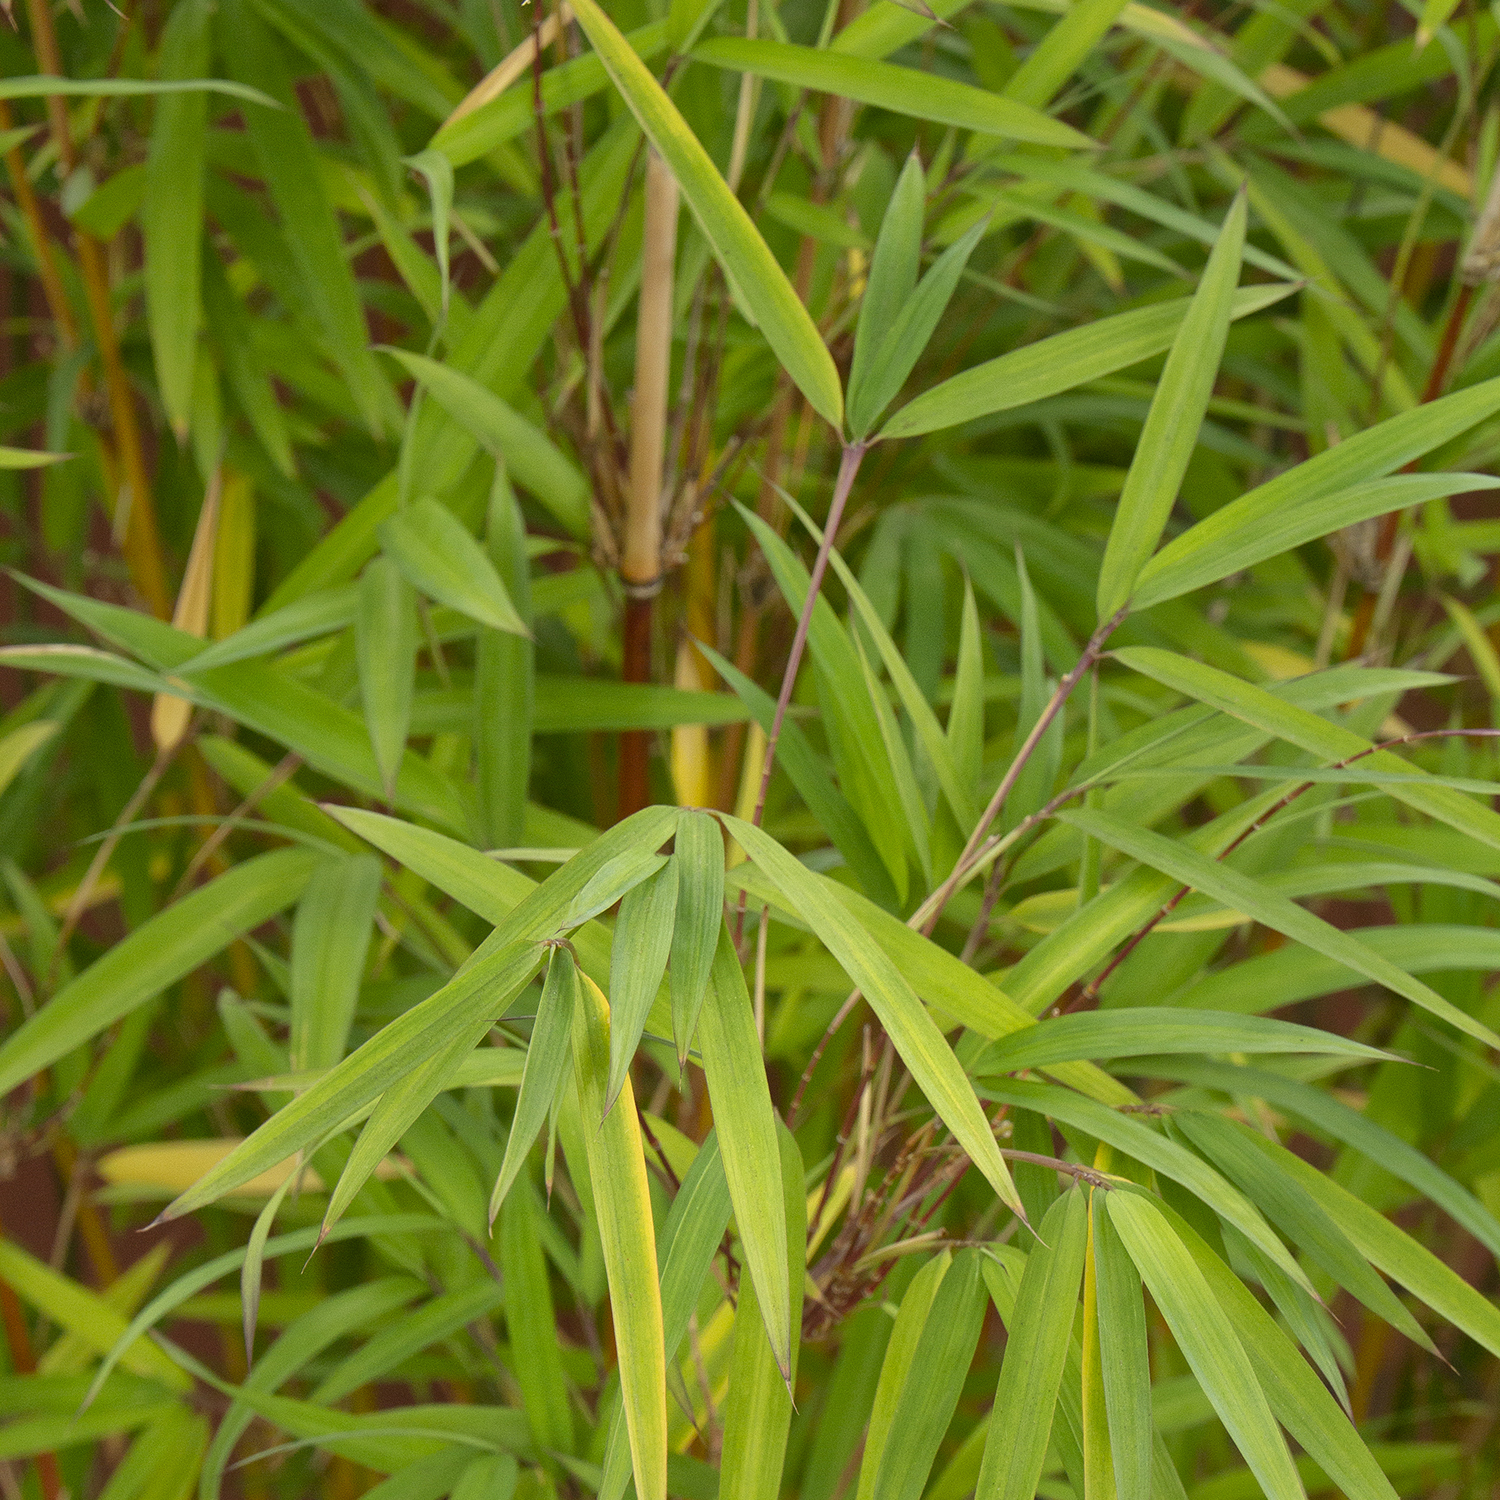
(749, 750)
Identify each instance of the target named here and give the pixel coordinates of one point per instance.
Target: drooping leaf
(617, 1174)
(737, 243)
(638, 962)
(699, 857)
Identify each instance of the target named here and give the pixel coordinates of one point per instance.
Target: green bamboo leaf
(1059, 363)
(85, 1314)
(504, 696)
(898, 352)
(904, 91)
(686, 1247)
(913, 805)
(894, 265)
(171, 1447)
(250, 1272)
(172, 212)
(1170, 435)
(530, 1321)
(1258, 526)
(531, 457)
(410, 1334)
(934, 1380)
(809, 775)
(438, 554)
(283, 147)
(1297, 1213)
(1051, 62)
(546, 1061)
(1207, 1340)
(638, 962)
(1245, 894)
(699, 857)
(1146, 1030)
(1399, 1256)
(1299, 1400)
(1336, 1119)
(758, 1401)
(911, 1323)
(617, 1174)
(438, 171)
(316, 615)
(742, 1108)
(330, 936)
(158, 953)
(1035, 1350)
(613, 880)
(29, 458)
(1124, 1352)
(1435, 14)
(88, 663)
(746, 259)
(1039, 775)
(385, 643)
(965, 732)
(480, 993)
(127, 88)
(1143, 1144)
(915, 1034)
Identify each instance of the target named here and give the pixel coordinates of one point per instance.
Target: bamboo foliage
(1019, 476)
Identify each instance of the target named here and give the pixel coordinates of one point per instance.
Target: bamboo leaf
(385, 643)
(127, 88)
(1035, 1350)
(1124, 1356)
(1170, 435)
(158, 953)
(898, 352)
(1258, 526)
(330, 936)
(699, 857)
(638, 962)
(916, 1036)
(1207, 1340)
(894, 266)
(172, 212)
(250, 1272)
(546, 1060)
(747, 261)
(1059, 363)
(532, 459)
(911, 1322)
(746, 1124)
(934, 1380)
(1253, 898)
(1103, 1034)
(759, 1398)
(905, 91)
(1052, 61)
(1297, 1213)
(617, 1174)
(437, 553)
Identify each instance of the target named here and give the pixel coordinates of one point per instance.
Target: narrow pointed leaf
(1207, 1340)
(906, 91)
(699, 856)
(385, 641)
(1058, 363)
(1035, 1350)
(894, 266)
(1170, 435)
(901, 348)
(746, 1123)
(1124, 1357)
(250, 1272)
(546, 1061)
(330, 937)
(915, 1034)
(747, 260)
(638, 961)
(1245, 894)
(622, 1200)
(437, 553)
